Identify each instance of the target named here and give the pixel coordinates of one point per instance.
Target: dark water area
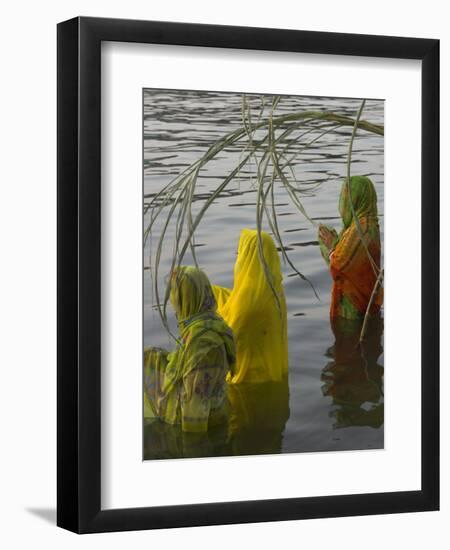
(333, 398)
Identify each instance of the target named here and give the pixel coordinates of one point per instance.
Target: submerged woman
(354, 262)
(188, 386)
(255, 309)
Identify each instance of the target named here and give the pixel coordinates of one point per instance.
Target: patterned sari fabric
(355, 262)
(187, 386)
(255, 309)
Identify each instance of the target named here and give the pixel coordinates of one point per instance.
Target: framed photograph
(248, 275)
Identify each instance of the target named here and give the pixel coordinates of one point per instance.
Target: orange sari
(353, 275)
(355, 261)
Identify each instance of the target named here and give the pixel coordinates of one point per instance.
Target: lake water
(333, 399)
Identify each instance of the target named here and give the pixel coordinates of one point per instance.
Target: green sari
(187, 386)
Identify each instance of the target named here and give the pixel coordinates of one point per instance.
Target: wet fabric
(354, 275)
(255, 310)
(187, 386)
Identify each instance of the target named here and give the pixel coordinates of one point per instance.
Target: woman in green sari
(187, 386)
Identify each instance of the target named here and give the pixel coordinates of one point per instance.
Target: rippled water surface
(334, 396)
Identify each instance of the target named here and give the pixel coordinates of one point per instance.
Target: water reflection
(259, 413)
(257, 418)
(353, 378)
(163, 440)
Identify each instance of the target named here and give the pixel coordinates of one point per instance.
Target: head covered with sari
(191, 293)
(187, 385)
(255, 309)
(363, 197)
(356, 256)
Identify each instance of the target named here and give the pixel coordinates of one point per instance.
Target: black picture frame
(79, 281)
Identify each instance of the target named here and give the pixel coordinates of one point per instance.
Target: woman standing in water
(255, 309)
(354, 262)
(188, 386)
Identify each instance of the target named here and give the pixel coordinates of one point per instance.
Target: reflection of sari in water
(354, 273)
(187, 386)
(162, 440)
(258, 415)
(255, 314)
(354, 378)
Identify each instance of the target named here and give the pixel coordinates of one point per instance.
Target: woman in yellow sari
(187, 386)
(354, 262)
(255, 310)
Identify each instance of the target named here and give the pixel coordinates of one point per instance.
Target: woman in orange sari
(354, 262)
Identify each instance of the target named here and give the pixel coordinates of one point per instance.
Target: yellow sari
(256, 316)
